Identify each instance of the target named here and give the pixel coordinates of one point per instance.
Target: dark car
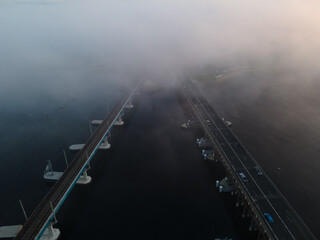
(258, 171)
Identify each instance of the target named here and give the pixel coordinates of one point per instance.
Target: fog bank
(56, 42)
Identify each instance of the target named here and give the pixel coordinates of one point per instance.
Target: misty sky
(60, 42)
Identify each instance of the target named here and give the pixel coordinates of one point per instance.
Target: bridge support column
(50, 233)
(119, 121)
(51, 175)
(105, 144)
(224, 185)
(129, 105)
(84, 178)
(96, 122)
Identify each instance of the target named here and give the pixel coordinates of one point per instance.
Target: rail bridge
(257, 193)
(43, 217)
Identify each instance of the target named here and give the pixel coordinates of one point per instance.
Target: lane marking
(243, 164)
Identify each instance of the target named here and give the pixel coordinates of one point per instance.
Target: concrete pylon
(129, 104)
(119, 121)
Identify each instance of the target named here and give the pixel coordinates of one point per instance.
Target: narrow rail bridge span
(258, 194)
(43, 216)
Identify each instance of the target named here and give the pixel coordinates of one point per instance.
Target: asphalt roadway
(267, 198)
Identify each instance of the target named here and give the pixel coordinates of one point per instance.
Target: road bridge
(256, 193)
(43, 217)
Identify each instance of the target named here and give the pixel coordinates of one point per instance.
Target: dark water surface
(151, 184)
(277, 117)
(36, 127)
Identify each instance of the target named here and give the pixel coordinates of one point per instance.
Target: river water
(151, 184)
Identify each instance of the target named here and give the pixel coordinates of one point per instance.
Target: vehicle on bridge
(268, 217)
(243, 177)
(257, 193)
(258, 171)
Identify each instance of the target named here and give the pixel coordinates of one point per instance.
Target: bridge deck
(263, 193)
(35, 225)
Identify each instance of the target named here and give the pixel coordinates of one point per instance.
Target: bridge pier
(208, 154)
(78, 147)
(96, 122)
(224, 185)
(84, 178)
(105, 144)
(119, 120)
(51, 175)
(202, 143)
(50, 233)
(129, 104)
